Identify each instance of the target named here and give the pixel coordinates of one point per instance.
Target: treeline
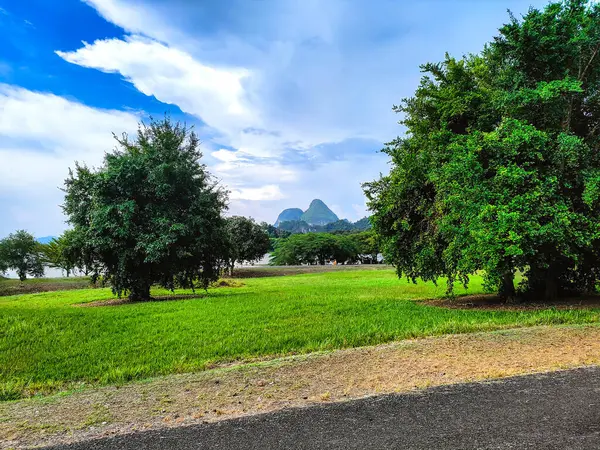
(245, 242)
(323, 248)
(21, 252)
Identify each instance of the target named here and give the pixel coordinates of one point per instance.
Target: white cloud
(243, 172)
(269, 192)
(41, 136)
(216, 95)
(227, 156)
(246, 100)
(131, 17)
(64, 126)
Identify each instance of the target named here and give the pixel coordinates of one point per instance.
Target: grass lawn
(47, 343)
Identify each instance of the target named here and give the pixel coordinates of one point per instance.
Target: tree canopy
(314, 248)
(22, 253)
(248, 241)
(55, 253)
(499, 169)
(150, 214)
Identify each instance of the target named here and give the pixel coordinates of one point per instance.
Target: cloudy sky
(291, 98)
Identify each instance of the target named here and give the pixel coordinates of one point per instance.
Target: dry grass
(297, 381)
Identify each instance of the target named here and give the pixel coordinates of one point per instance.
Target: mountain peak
(287, 215)
(317, 203)
(318, 213)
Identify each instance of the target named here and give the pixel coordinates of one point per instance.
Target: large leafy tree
(150, 214)
(499, 169)
(22, 253)
(248, 241)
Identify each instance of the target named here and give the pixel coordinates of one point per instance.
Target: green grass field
(47, 343)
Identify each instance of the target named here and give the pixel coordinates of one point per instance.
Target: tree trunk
(507, 290)
(551, 291)
(22, 275)
(140, 293)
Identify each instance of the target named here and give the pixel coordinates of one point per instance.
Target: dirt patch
(494, 302)
(296, 381)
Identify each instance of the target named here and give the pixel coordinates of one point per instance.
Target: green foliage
(46, 343)
(21, 252)
(274, 232)
(367, 246)
(150, 214)
(314, 248)
(248, 242)
(56, 253)
(498, 170)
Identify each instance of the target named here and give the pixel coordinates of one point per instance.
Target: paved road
(557, 411)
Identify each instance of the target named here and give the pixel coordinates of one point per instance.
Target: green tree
(55, 255)
(21, 252)
(78, 254)
(498, 169)
(345, 250)
(273, 232)
(367, 246)
(248, 242)
(314, 248)
(150, 214)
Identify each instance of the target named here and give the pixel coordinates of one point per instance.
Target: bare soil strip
(245, 389)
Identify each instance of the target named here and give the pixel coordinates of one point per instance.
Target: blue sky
(291, 98)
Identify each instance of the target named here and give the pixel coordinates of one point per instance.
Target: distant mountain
(318, 218)
(318, 213)
(289, 215)
(339, 226)
(45, 239)
(363, 224)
